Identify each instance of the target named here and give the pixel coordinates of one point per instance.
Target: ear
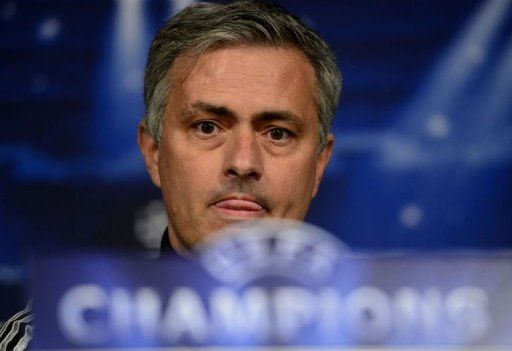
(149, 149)
(322, 161)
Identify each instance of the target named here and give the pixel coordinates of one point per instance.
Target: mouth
(240, 208)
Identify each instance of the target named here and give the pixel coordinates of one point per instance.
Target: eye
(206, 128)
(280, 135)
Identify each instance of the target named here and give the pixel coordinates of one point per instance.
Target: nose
(243, 158)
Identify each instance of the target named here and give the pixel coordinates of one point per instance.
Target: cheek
(293, 180)
(186, 176)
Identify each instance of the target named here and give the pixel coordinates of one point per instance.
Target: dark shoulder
(16, 332)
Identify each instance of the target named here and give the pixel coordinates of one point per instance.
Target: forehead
(249, 78)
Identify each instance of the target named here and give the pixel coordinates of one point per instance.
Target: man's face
(240, 141)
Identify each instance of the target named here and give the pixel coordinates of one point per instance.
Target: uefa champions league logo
(271, 248)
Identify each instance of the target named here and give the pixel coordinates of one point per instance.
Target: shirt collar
(165, 244)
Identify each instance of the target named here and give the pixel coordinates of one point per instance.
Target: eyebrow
(263, 116)
(279, 115)
(211, 109)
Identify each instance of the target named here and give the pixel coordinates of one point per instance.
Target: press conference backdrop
(423, 150)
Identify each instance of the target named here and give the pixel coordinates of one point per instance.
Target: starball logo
(254, 250)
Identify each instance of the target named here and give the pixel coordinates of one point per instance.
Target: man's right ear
(149, 149)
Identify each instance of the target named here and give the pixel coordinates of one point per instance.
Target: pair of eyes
(275, 133)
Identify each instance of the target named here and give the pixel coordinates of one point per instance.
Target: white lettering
(294, 309)
(406, 313)
(90, 315)
(431, 313)
(72, 309)
(240, 317)
(369, 314)
(184, 317)
(467, 314)
(135, 313)
(329, 310)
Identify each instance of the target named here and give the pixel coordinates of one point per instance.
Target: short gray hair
(245, 22)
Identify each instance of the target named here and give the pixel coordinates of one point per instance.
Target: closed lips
(239, 205)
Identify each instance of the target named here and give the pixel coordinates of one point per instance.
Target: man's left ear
(322, 161)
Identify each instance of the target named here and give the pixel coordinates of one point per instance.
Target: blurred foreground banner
(292, 287)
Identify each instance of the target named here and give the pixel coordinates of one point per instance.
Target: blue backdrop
(423, 133)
